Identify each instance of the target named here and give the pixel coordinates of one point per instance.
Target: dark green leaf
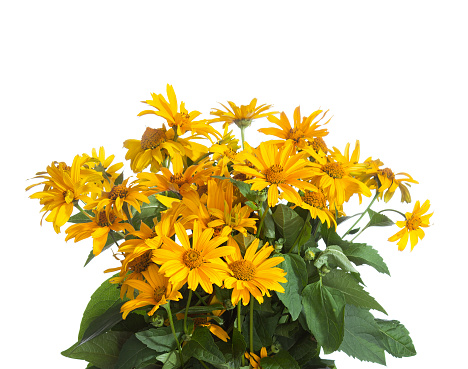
(397, 340)
(263, 329)
(362, 338)
(238, 348)
(102, 351)
(305, 349)
(103, 323)
(324, 307)
(80, 217)
(360, 253)
(296, 270)
(202, 347)
(135, 355)
(160, 339)
(119, 179)
(288, 224)
(353, 292)
(269, 225)
(282, 360)
(203, 309)
(101, 300)
(170, 360)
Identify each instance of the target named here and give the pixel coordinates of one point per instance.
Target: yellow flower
(98, 229)
(100, 163)
(386, 181)
(412, 226)
(241, 116)
(276, 168)
(334, 175)
(63, 186)
(153, 148)
(302, 132)
(254, 274)
(255, 359)
(180, 180)
(197, 262)
(316, 203)
(120, 195)
(155, 291)
(181, 121)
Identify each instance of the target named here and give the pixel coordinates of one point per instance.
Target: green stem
(300, 235)
(81, 210)
(242, 129)
(200, 298)
(396, 211)
(239, 324)
(262, 219)
(251, 323)
(203, 363)
(365, 212)
(171, 321)
(186, 311)
(113, 238)
(128, 213)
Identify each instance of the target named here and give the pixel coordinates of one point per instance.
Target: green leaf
(296, 270)
(361, 253)
(160, 339)
(135, 355)
(80, 217)
(333, 255)
(238, 348)
(353, 292)
(362, 338)
(269, 225)
(203, 309)
(378, 220)
(324, 314)
(101, 300)
(282, 360)
(396, 339)
(263, 329)
(202, 347)
(103, 323)
(288, 224)
(170, 360)
(102, 351)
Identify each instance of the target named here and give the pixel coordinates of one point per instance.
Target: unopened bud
(186, 337)
(157, 320)
(324, 270)
(228, 304)
(276, 347)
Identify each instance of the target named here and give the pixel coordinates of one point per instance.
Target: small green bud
(157, 320)
(243, 123)
(228, 304)
(186, 337)
(311, 253)
(262, 195)
(276, 347)
(278, 247)
(324, 270)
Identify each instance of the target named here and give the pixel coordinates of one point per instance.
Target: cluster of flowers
(209, 233)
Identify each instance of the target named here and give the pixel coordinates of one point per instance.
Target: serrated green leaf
(333, 255)
(377, 220)
(361, 253)
(324, 307)
(202, 347)
(282, 360)
(160, 339)
(353, 292)
(296, 270)
(170, 360)
(397, 340)
(135, 355)
(102, 351)
(362, 337)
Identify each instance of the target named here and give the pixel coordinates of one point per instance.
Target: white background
(393, 74)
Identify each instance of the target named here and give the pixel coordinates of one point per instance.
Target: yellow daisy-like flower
(155, 146)
(277, 168)
(333, 175)
(197, 262)
(254, 274)
(100, 163)
(155, 291)
(181, 121)
(224, 155)
(63, 186)
(179, 180)
(255, 359)
(98, 229)
(120, 195)
(386, 182)
(303, 131)
(412, 226)
(241, 116)
(316, 203)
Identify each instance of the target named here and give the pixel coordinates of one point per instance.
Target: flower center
(192, 259)
(231, 154)
(315, 199)
(102, 219)
(319, 144)
(413, 223)
(274, 174)
(334, 170)
(141, 263)
(68, 196)
(118, 191)
(387, 172)
(180, 119)
(159, 293)
(243, 270)
(201, 321)
(178, 179)
(152, 138)
(295, 134)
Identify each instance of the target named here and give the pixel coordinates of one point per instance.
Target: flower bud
(228, 304)
(276, 347)
(157, 320)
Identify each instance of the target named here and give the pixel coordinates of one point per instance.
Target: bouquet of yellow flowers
(229, 255)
